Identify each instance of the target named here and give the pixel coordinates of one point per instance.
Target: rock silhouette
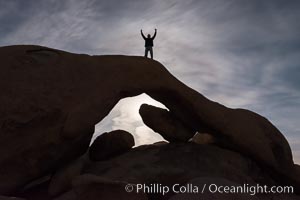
(111, 144)
(181, 163)
(91, 187)
(164, 123)
(61, 180)
(52, 99)
(203, 138)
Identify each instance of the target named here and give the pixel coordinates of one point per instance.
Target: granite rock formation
(51, 100)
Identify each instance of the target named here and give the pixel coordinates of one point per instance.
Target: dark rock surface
(10, 198)
(90, 187)
(62, 178)
(110, 144)
(203, 138)
(180, 163)
(207, 195)
(183, 163)
(51, 100)
(200, 182)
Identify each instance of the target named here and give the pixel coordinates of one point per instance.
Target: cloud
(239, 53)
(125, 116)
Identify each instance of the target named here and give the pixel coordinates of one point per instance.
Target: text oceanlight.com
(211, 188)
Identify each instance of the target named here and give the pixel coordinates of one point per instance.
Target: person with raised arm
(149, 43)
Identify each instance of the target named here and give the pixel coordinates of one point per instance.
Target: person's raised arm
(154, 34)
(143, 34)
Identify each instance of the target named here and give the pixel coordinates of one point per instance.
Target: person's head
(148, 35)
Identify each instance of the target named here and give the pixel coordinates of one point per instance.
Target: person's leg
(146, 52)
(151, 52)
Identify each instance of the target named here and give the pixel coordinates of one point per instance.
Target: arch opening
(125, 116)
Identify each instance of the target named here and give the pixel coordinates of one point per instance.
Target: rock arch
(49, 110)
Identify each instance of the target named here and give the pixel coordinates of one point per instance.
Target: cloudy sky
(240, 53)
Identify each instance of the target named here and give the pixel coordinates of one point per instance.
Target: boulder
(51, 100)
(179, 163)
(203, 138)
(160, 143)
(111, 144)
(164, 123)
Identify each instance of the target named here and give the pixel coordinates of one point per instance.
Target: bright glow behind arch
(125, 116)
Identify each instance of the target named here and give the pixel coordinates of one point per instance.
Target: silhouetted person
(149, 43)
